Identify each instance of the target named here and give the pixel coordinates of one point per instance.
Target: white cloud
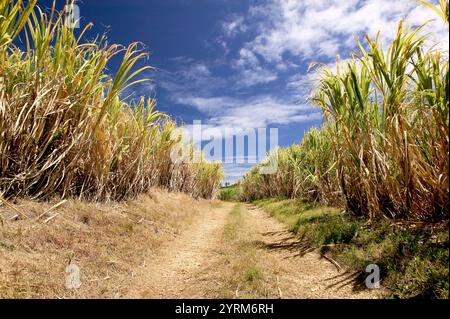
(189, 76)
(250, 70)
(256, 75)
(312, 29)
(246, 58)
(235, 171)
(234, 25)
(257, 112)
(286, 31)
(207, 105)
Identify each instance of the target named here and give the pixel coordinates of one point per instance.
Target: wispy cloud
(234, 25)
(291, 30)
(259, 111)
(250, 70)
(312, 28)
(235, 171)
(188, 76)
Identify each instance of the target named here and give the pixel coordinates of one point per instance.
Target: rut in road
(202, 263)
(176, 271)
(301, 271)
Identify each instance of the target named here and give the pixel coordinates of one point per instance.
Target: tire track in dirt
(193, 264)
(301, 271)
(178, 270)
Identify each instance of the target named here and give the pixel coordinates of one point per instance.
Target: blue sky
(237, 63)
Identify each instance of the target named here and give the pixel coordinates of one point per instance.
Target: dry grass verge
(107, 241)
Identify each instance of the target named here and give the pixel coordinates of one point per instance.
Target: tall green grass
(384, 147)
(65, 128)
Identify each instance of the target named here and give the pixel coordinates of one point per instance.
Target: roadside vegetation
(413, 257)
(66, 128)
(229, 193)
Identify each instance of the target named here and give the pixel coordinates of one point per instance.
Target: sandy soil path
(302, 272)
(192, 266)
(178, 270)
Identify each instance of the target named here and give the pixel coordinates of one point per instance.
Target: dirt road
(238, 251)
(176, 271)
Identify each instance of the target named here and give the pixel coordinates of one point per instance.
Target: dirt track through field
(195, 264)
(174, 272)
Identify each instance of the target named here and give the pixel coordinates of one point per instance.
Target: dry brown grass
(108, 241)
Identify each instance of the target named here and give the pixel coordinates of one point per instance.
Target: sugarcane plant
(65, 127)
(383, 149)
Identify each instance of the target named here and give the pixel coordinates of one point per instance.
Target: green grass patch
(229, 193)
(242, 275)
(253, 274)
(294, 212)
(234, 223)
(413, 258)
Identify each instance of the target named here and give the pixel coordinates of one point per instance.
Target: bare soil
(178, 270)
(302, 271)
